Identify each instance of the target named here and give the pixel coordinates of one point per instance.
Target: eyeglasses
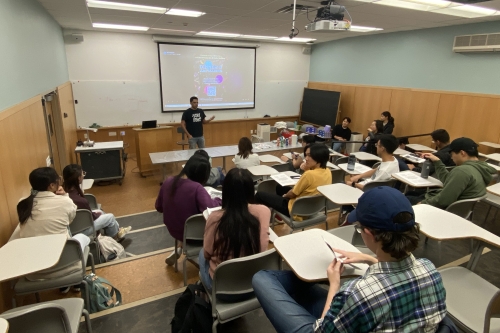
(84, 173)
(358, 227)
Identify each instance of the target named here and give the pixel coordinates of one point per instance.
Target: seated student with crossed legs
(397, 293)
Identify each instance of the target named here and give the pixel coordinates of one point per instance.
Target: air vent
(477, 43)
(298, 9)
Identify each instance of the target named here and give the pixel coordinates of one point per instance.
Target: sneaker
(122, 232)
(76, 288)
(172, 258)
(64, 290)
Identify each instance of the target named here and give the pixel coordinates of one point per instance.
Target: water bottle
(351, 162)
(426, 169)
(295, 125)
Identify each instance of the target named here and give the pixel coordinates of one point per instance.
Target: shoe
(76, 288)
(172, 258)
(344, 219)
(278, 219)
(64, 290)
(122, 232)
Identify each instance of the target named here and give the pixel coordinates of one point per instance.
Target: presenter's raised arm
(205, 121)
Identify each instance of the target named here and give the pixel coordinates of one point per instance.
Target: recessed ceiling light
(467, 11)
(258, 37)
(119, 26)
(172, 30)
(295, 39)
(125, 6)
(358, 28)
(183, 12)
(217, 34)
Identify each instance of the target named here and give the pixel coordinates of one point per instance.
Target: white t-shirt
(245, 163)
(383, 172)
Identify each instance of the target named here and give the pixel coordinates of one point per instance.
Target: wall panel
(67, 118)
(369, 102)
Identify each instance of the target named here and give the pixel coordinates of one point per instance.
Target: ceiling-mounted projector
(329, 18)
(328, 26)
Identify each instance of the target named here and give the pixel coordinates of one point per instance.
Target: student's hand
(430, 156)
(356, 257)
(60, 191)
(334, 271)
(354, 179)
(303, 166)
(189, 136)
(370, 130)
(284, 158)
(411, 166)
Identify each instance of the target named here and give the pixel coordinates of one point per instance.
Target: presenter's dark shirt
(194, 121)
(345, 133)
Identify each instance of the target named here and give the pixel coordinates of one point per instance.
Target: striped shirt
(403, 296)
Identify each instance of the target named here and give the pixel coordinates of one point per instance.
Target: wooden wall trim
(19, 107)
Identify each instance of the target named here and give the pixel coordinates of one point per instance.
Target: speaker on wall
(77, 37)
(306, 50)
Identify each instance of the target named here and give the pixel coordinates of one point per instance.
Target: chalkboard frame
(312, 121)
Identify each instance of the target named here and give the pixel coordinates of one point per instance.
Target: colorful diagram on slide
(210, 78)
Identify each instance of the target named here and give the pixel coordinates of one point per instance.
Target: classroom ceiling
(251, 17)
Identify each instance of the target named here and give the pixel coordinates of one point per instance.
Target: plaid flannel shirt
(403, 296)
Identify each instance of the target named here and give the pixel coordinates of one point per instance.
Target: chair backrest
(41, 318)
(464, 208)
(281, 167)
(194, 228)
(181, 130)
(92, 200)
(308, 206)
(83, 221)
(371, 185)
(338, 176)
(267, 186)
(234, 276)
(71, 253)
(341, 160)
(376, 165)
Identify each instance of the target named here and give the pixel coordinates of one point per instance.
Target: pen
(353, 266)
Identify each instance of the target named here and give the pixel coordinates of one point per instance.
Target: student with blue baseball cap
(397, 293)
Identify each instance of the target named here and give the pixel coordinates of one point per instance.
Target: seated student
(385, 146)
(403, 142)
(245, 157)
(239, 229)
(48, 210)
(73, 177)
(442, 140)
(183, 196)
(317, 174)
(398, 293)
(388, 122)
(340, 134)
(297, 160)
(216, 174)
(467, 180)
(375, 130)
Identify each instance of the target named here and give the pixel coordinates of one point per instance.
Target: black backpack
(193, 312)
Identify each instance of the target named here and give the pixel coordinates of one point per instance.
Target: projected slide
(221, 77)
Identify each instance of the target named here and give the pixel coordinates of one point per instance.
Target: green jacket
(466, 181)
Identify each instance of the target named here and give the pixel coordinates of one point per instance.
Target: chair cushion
(192, 251)
(227, 311)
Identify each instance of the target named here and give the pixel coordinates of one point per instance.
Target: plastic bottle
(426, 169)
(351, 162)
(295, 124)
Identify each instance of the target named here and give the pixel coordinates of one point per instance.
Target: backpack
(110, 247)
(193, 312)
(99, 295)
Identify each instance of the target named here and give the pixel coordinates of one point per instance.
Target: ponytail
(25, 206)
(390, 118)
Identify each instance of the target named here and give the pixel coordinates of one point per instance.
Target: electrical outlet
(48, 161)
(122, 133)
(112, 133)
(85, 135)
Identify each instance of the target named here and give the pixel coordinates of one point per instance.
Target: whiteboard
(117, 103)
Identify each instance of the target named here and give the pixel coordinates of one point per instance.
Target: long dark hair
(197, 169)
(387, 114)
(40, 180)
(71, 177)
(238, 232)
(379, 125)
(244, 147)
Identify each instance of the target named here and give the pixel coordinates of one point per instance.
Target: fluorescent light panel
(125, 6)
(295, 39)
(359, 28)
(184, 12)
(119, 26)
(258, 37)
(172, 30)
(217, 34)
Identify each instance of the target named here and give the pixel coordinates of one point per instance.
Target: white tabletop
(482, 155)
(416, 146)
(363, 156)
(87, 184)
(490, 144)
(341, 194)
(269, 158)
(101, 146)
(400, 151)
(262, 170)
(24, 256)
(413, 179)
(308, 255)
(441, 225)
(494, 189)
(285, 178)
(494, 157)
(4, 325)
(494, 166)
(358, 168)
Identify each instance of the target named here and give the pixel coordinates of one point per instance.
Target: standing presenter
(192, 123)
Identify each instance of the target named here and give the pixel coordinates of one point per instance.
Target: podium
(151, 140)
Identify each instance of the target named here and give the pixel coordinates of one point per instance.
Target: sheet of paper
(284, 180)
(213, 192)
(208, 211)
(414, 159)
(413, 178)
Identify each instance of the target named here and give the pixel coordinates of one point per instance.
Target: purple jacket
(189, 199)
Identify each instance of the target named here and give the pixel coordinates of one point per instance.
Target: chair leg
(175, 254)
(85, 295)
(214, 325)
(98, 251)
(184, 270)
(91, 256)
(426, 240)
(87, 321)
(37, 296)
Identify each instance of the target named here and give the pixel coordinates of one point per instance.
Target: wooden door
(51, 134)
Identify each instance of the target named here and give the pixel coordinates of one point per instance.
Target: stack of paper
(208, 211)
(285, 180)
(413, 178)
(413, 158)
(213, 192)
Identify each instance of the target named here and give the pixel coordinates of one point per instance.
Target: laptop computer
(148, 124)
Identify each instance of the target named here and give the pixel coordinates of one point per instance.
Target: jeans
(274, 201)
(338, 145)
(291, 304)
(108, 223)
(82, 239)
(204, 267)
(415, 197)
(200, 141)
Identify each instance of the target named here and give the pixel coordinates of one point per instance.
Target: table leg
(224, 163)
(475, 256)
(164, 172)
